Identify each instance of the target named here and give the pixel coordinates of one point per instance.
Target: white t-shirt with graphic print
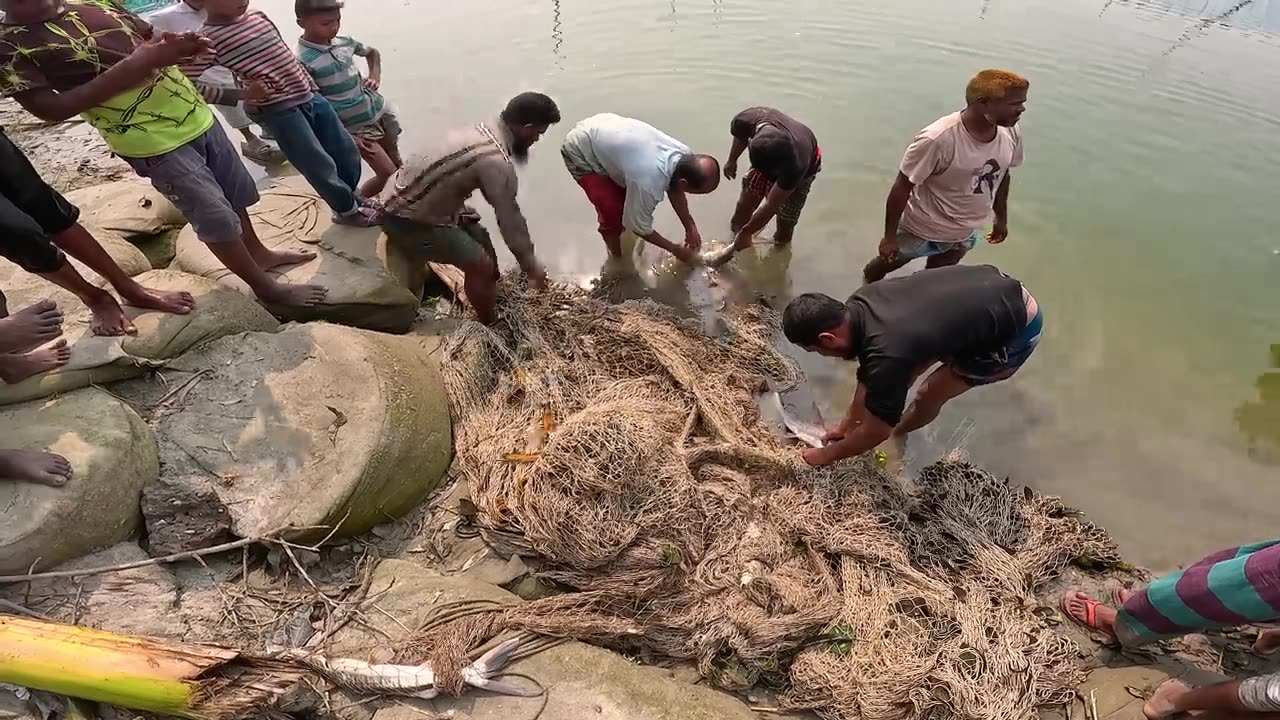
(955, 178)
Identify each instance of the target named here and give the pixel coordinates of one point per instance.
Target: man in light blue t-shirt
(626, 167)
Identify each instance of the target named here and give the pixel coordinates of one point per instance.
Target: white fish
(716, 258)
(416, 681)
(808, 433)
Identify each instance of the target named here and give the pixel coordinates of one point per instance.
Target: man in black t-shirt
(784, 161)
(980, 324)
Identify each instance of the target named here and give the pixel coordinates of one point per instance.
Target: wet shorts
(914, 247)
(756, 183)
(207, 181)
(458, 245)
(386, 126)
(31, 212)
(1000, 365)
(608, 198)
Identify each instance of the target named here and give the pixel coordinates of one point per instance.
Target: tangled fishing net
(622, 445)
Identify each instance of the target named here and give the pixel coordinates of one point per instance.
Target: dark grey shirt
(904, 323)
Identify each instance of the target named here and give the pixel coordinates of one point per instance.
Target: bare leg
(78, 243)
(747, 204)
(265, 258)
(942, 386)
(237, 258)
(34, 467)
(16, 367)
(383, 168)
(107, 316)
(30, 327)
(784, 231)
(945, 259)
(613, 241)
(480, 282)
(879, 267)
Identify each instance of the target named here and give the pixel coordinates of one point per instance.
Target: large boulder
(582, 681)
(132, 208)
(362, 292)
(161, 336)
(317, 425)
(113, 455)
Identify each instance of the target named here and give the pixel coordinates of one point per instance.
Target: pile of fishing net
(622, 445)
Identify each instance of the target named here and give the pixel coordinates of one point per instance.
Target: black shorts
(31, 213)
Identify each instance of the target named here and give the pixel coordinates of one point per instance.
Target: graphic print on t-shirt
(988, 175)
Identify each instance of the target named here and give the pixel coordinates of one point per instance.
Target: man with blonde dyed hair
(953, 177)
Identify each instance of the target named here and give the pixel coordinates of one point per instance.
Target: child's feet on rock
(277, 258)
(16, 367)
(178, 302)
(294, 295)
(1163, 702)
(108, 317)
(34, 467)
(30, 327)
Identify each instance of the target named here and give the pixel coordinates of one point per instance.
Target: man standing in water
(426, 215)
(980, 324)
(955, 175)
(784, 158)
(626, 167)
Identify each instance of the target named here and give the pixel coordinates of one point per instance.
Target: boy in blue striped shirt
(330, 59)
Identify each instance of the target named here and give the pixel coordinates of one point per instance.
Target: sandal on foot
(362, 216)
(1090, 611)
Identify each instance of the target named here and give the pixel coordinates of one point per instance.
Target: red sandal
(1090, 611)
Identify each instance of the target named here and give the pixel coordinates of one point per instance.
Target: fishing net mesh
(622, 445)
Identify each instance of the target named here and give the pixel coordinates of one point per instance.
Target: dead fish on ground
(808, 433)
(416, 681)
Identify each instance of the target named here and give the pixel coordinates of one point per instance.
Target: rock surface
(582, 681)
(132, 208)
(362, 292)
(161, 336)
(113, 454)
(312, 426)
(140, 601)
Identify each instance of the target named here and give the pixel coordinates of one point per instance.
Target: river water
(1144, 219)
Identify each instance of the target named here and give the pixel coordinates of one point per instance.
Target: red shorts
(608, 197)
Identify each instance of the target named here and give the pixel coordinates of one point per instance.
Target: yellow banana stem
(137, 673)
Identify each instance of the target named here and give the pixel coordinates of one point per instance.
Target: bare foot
(164, 301)
(1089, 612)
(1268, 641)
(108, 317)
(294, 295)
(1164, 701)
(275, 258)
(35, 467)
(16, 367)
(30, 327)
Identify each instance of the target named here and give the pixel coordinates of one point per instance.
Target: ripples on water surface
(1144, 219)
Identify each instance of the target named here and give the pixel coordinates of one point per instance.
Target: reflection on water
(1259, 418)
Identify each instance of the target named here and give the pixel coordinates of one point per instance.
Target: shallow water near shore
(1143, 220)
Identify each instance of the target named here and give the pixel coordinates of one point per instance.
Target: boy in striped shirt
(280, 96)
(330, 59)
